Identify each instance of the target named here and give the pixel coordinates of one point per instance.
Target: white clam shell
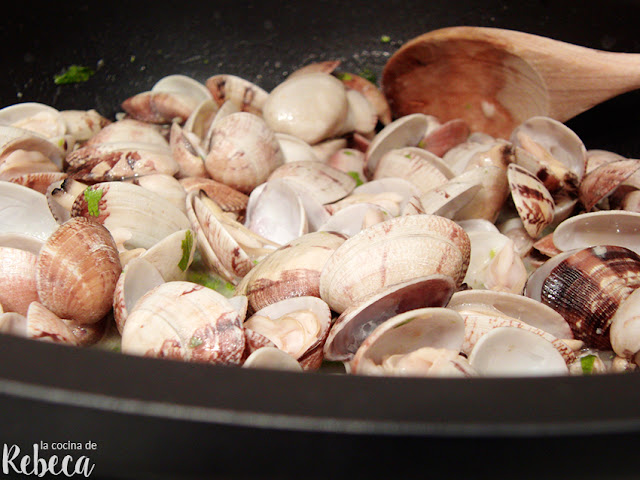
(272, 358)
(437, 328)
(312, 107)
(608, 227)
(23, 210)
(509, 351)
(406, 131)
(625, 327)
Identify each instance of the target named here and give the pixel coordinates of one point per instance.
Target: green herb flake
(345, 77)
(385, 38)
(187, 246)
(74, 74)
(492, 253)
(587, 363)
(93, 197)
(421, 144)
(356, 177)
(195, 342)
(347, 152)
(368, 75)
(213, 282)
(132, 58)
(401, 324)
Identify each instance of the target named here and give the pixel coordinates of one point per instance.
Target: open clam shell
(289, 271)
(607, 227)
(245, 95)
(296, 325)
(511, 305)
(406, 131)
(357, 322)
(512, 351)
(394, 347)
(533, 201)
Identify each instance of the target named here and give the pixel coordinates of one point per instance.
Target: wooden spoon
(495, 79)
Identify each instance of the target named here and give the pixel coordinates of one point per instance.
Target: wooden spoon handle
(577, 78)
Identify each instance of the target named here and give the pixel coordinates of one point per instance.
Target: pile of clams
(306, 228)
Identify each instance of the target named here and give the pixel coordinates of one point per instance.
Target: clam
(513, 306)
(603, 180)
(494, 191)
(172, 98)
(295, 149)
(423, 342)
(243, 151)
(586, 287)
(533, 201)
(419, 166)
(77, 270)
(276, 212)
(625, 328)
(325, 183)
(312, 107)
(25, 211)
(406, 131)
(390, 252)
(608, 227)
(350, 161)
(138, 277)
(17, 278)
(272, 358)
(445, 137)
(511, 351)
(135, 216)
(357, 322)
(25, 146)
(494, 263)
(184, 320)
(226, 245)
(558, 156)
(243, 94)
(296, 325)
(445, 200)
(227, 198)
(289, 271)
(354, 218)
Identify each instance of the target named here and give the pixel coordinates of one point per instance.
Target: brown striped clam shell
(588, 286)
(533, 201)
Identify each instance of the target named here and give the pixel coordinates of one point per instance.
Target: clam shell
(625, 328)
(44, 325)
(25, 211)
(245, 95)
(135, 216)
(609, 227)
(243, 151)
(291, 270)
(489, 200)
(312, 107)
(161, 107)
(533, 201)
(228, 199)
(17, 279)
(418, 166)
(355, 218)
(446, 136)
(604, 180)
(355, 324)
(588, 286)
(560, 155)
(77, 270)
(184, 320)
(390, 252)
(437, 328)
(325, 183)
(406, 131)
(272, 358)
(512, 305)
(509, 351)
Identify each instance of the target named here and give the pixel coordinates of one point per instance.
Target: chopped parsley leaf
(187, 246)
(356, 177)
(74, 74)
(93, 197)
(587, 363)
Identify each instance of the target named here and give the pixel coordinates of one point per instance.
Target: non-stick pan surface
(162, 419)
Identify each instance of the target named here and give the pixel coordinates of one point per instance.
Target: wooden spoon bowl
(495, 79)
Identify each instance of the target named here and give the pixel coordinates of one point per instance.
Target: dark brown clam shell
(587, 288)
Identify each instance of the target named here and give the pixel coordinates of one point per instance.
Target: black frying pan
(162, 419)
